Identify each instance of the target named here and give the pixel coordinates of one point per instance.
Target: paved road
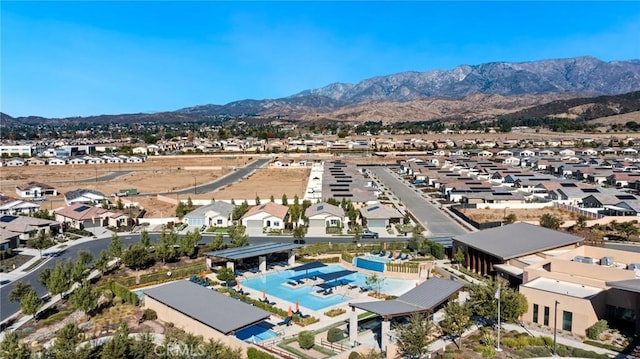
(628, 247)
(7, 308)
(226, 180)
(438, 223)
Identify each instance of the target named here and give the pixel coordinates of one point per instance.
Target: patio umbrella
(238, 283)
(297, 306)
(384, 246)
(290, 312)
(264, 293)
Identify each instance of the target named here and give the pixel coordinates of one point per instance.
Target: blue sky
(74, 58)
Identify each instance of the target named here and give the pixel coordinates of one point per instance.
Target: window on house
(334, 222)
(219, 221)
(546, 316)
(276, 224)
(567, 318)
(535, 313)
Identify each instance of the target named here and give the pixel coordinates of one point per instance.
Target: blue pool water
(275, 286)
(256, 333)
(375, 258)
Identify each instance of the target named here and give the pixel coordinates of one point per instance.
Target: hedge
(123, 292)
(161, 276)
(253, 353)
(404, 267)
(335, 335)
(594, 331)
(270, 308)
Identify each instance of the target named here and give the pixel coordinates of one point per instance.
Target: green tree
(119, 346)
(21, 288)
(285, 201)
(41, 241)
(483, 303)
(272, 199)
(115, 246)
(413, 339)
(67, 340)
(30, 303)
(581, 222)
(550, 221)
(217, 242)
(120, 204)
(510, 218)
(60, 279)
(375, 281)
(225, 275)
(459, 256)
(257, 200)
(143, 347)
(299, 232)
(238, 237)
(137, 257)
(240, 210)
(12, 348)
(457, 319)
(85, 257)
(43, 279)
(145, 241)
(180, 210)
(189, 243)
(102, 261)
(85, 297)
(626, 228)
(78, 270)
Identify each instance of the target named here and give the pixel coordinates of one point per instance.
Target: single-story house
(323, 215)
(25, 227)
(269, 215)
(35, 189)
(86, 196)
(216, 214)
(83, 216)
(8, 240)
(379, 215)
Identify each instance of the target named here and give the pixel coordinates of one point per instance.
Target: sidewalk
(449, 268)
(47, 254)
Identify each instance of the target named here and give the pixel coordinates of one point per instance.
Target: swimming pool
(256, 334)
(275, 286)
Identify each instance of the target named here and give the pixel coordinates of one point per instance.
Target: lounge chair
(302, 316)
(328, 291)
(399, 256)
(390, 255)
(292, 283)
(364, 289)
(383, 253)
(353, 286)
(286, 321)
(299, 281)
(406, 256)
(321, 291)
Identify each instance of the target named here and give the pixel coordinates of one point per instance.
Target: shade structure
(297, 305)
(307, 266)
(335, 275)
(290, 312)
(384, 246)
(237, 283)
(264, 293)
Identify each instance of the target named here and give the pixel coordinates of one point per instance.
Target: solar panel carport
(421, 299)
(261, 250)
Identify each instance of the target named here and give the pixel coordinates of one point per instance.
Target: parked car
(369, 234)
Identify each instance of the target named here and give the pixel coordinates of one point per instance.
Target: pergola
(421, 299)
(261, 251)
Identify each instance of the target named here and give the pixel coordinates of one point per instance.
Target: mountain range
(468, 91)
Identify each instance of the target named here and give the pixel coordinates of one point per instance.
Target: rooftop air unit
(589, 260)
(633, 266)
(606, 261)
(578, 259)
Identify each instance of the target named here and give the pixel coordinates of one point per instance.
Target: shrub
(488, 352)
(522, 342)
(253, 353)
(537, 342)
(509, 342)
(548, 341)
(334, 312)
(334, 335)
(581, 353)
(594, 331)
(540, 352)
(488, 339)
(355, 355)
(306, 339)
(149, 314)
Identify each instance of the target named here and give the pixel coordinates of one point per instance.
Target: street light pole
(555, 331)
(195, 189)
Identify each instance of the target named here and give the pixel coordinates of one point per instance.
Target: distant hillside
(499, 89)
(582, 109)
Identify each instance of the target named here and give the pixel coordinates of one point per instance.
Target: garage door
(194, 221)
(378, 223)
(254, 227)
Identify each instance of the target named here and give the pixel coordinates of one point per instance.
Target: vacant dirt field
(266, 182)
(529, 215)
(158, 174)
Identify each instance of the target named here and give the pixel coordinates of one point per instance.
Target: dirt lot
(267, 182)
(529, 215)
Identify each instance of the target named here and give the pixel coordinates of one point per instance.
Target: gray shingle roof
(223, 208)
(379, 211)
(207, 306)
(517, 239)
(324, 208)
(424, 297)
